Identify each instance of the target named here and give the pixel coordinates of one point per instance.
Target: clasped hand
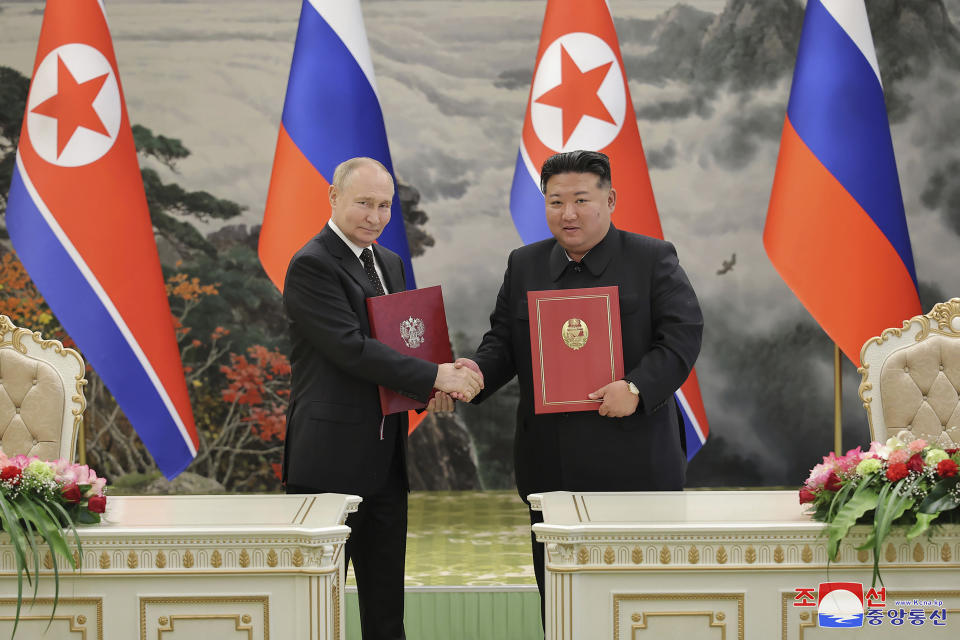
(460, 380)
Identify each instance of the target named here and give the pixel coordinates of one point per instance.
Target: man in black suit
(337, 439)
(634, 441)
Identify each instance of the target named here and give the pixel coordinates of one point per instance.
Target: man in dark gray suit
(634, 441)
(337, 439)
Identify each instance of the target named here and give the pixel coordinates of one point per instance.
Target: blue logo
(840, 605)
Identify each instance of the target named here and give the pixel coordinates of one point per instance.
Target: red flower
(833, 483)
(950, 452)
(946, 468)
(806, 495)
(915, 463)
(71, 493)
(97, 504)
(11, 473)
(897, 472)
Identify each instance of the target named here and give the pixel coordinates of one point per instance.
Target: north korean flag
(78, 219)
(579, 99)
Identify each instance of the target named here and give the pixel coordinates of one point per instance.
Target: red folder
(413, 323)
(576, 346)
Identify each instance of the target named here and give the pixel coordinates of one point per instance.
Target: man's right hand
(461, 382)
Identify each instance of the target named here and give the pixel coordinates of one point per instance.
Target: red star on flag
(72, 106)
(576, 95)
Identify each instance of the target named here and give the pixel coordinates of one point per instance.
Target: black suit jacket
(661, 325)
(334, 422)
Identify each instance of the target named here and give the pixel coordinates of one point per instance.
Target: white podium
(196, 567)
(722, 565)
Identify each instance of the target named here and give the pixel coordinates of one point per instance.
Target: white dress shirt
(356, 251)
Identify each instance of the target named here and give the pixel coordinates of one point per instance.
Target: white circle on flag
(588, 52)
(84, 146)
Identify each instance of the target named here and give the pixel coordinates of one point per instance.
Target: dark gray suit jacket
(661, 326)
(334, 422)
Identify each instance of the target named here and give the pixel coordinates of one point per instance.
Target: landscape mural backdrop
(204, 83)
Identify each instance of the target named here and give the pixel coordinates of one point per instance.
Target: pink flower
(917, 445)
(900, 456)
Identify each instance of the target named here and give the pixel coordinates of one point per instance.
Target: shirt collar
(357, 249)
(595, 260)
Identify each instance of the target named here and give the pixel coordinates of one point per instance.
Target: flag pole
(837, 404)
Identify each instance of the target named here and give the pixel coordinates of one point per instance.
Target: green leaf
(941, 497)
(11, 525)
(922, 524)
(847, 515)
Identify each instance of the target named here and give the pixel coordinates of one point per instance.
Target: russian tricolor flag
(78, 219)
(331, 113)
(836, 230)
(579, 99)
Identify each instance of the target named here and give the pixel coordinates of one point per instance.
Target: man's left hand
(618, 402)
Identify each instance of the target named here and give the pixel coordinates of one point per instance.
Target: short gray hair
(345, 168)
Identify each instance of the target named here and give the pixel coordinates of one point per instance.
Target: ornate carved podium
(724, 565)
(178, 567)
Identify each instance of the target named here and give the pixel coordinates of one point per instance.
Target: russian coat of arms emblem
(411, 330)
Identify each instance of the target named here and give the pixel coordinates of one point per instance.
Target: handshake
(460, 380)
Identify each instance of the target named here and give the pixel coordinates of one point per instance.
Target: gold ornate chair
(41, 394)
(911, 377)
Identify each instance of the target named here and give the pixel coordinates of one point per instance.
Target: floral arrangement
(903, 481)
(46, 500)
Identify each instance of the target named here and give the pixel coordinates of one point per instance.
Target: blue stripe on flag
(694, 443)
(332, 114)
(88, 322)
(527, 205)
(837, 106)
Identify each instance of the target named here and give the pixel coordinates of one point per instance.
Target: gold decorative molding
(609, 555)
(132, 560)
(715, 619)
(244, 559)
(272, 558)
(166, 622)
(863, 555)
(693, 555)
(161, 560)
(187, 559)
(806, 554)
(77, 622)
(583, 556)
(751, 555)
(918, 553)
(297, 560)
(216, 561)
(47, 560)
(636, 556)
(890, 554)
(335, 596)
(104, 560)
(722, 555)
(664, 555)
(945, 552)
(778, 554)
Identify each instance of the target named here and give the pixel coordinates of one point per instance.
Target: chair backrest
(41, 394)
(911, 377)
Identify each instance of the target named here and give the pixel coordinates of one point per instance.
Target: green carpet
(469, 573)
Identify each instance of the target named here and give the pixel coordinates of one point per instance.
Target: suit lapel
(349, 261)
(392, 270)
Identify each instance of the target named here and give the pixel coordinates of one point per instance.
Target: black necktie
(366, 257)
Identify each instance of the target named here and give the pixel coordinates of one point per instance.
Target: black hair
(578, 161)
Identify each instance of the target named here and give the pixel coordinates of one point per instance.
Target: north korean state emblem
(574, 333)
(411, 330)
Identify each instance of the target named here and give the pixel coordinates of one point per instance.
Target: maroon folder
(413, 323)
(575, 343)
